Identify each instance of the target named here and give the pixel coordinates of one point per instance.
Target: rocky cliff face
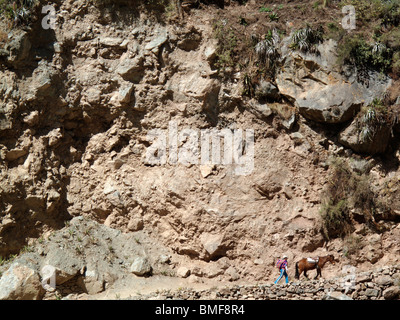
(79, 106)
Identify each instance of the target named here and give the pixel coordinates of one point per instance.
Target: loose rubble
(382, 284)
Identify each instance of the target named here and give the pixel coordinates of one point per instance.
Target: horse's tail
(297, 275)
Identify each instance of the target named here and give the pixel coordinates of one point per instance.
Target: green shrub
(264, 9)
(335, 218)
(273, 16)
(369, 11)
(396, 64)
(354, 50)
(346, 191)
(392, 39)
(352, 245)
(17, 11)
(372, 118)
(335, 204)
(227, 42)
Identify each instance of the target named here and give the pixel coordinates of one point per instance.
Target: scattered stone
(32, 119)
(369, 292)
(289, 123)
(336, 295)
(110, 42)
(14, 154)
(266, 90)
(260, 110)
(212, 243)
(391, 293)
(206, 170)
(384, 280)
(183, 272)
(140, 266)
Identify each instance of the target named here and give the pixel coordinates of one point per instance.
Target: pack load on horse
(306, 264)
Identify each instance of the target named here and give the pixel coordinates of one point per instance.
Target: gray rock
(92, 282)
(370, 292)
(110, 41)
(20, 282)
(32, 119)
(66, 262)
(212, 243)
(210, 51)
(351, 138)
(93, 95)
(14, 154)
(125, 92)
(157, 41)
(336, 295)
(18, 48)
(131, 69)
(319, 90)
(232, 273)
(331, 104)
(266, 90)
(384, 280)
(41, 82)
(391, 293)
(363, 277)
(261, 111)
(289, 123)
(140, 266)
(297, 136)
(5, 121)
(271, 182)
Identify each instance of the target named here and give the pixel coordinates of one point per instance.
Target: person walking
(282, 265)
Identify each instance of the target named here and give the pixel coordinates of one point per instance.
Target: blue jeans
(283, 273)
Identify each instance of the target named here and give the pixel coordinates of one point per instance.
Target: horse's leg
(305, 274)
(301, 269)
(318, 272)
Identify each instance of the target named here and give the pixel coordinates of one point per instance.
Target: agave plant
(306, 38)
(373, 118)
(18, 11)
(369, 116)
(378, 48)
(267, 49)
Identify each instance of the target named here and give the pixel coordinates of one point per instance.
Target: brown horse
(309, 264)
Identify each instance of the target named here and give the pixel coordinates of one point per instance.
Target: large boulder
(333, 103)
(391, 293)
(322, 93)
(20, 282)
(18, 48)
(351, 137)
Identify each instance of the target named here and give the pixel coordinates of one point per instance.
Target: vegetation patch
(375, 42)
(306, 39)
(17, 12)
(347, 192)
(354, 50)
(227, 42)
(374, 117)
